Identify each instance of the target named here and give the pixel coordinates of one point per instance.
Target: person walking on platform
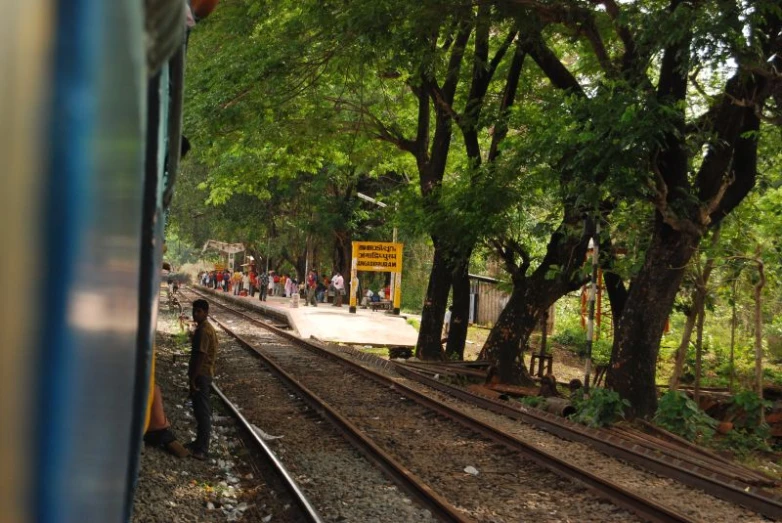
(245, 284)
(339, 288)
(320, 290)
(263, 286)
(200, 373)
(312, 287)
(253, 284)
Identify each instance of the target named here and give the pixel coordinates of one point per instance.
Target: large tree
(271, 156)
(698, 162)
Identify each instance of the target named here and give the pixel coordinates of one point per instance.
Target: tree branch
(508, 99)
(422, 128)
(552, 67)
(596, 41)
(376, 127)
(629, 58)
(455, 62)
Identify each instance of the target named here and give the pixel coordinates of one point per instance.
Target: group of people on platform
(221, 279)
(314, 289)
(319, 289)
(378, 296)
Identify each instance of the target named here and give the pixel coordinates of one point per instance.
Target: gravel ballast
(227, 487)
(692, 502)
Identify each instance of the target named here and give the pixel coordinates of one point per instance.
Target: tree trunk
(301, 261)
(532, 295)
(733, 320)
(701, 313)
(699, 304)
(343, 250)
(681, 352)
(617, 295)
(428, 346)
(504, 346)
(543, 341)
(460, 316)
(759, 336)
(648, 305)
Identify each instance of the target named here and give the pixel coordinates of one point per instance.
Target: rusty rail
(740, 493)
(646, 508)
(688, 472)
(406, 479)
(309, 512)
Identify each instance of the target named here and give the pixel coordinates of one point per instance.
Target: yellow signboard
(219, 267)
(378, 256)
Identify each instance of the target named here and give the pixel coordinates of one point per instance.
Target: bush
(571, 336)
(744, 441)
(574, 339)
(603, 407)
(679, 414)
(771, 375)
(745, 409)
(748, 433)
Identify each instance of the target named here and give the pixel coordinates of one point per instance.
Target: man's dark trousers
(202, 409)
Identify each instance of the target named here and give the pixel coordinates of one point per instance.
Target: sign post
(353, 278)
(377, 257)
(397, 278)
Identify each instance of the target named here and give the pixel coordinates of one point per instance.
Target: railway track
(306, 512)
(646, 508)
(372, 471)
(709, 473)
(698, 469)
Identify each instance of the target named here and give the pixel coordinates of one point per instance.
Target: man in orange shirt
(200, 373)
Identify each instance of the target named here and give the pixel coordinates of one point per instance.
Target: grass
(377, 351)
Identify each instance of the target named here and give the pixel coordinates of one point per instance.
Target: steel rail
(646, 508)
(714, 483)
(405, 478)
(301, 500)
(728, 489)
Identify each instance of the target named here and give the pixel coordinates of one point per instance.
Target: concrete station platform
(333, 324)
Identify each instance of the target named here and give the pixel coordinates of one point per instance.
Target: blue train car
(90, 113)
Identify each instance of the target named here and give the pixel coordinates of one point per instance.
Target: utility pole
(268, 246)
